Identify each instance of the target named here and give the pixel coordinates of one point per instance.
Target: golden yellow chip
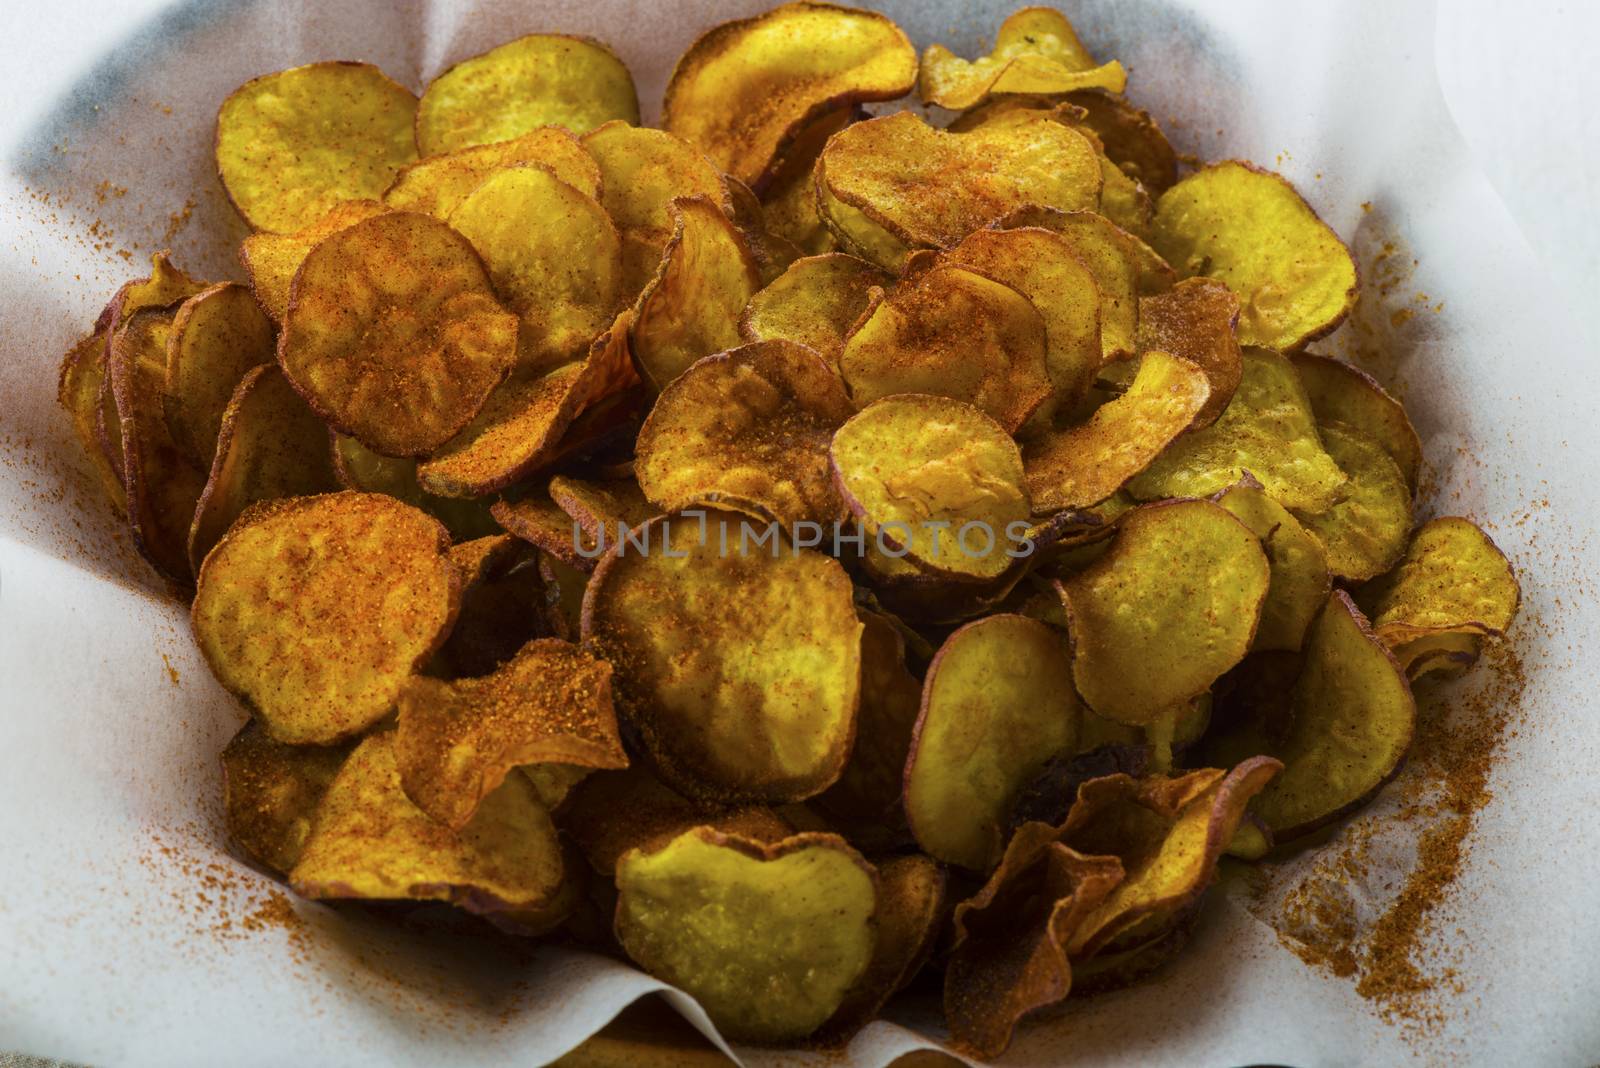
(1250, 229)
(292, 145)
(1122, 200)
(437, 185)
(1195, 320)
(745, 90)
(789, 201)
(737, 661)
(997, 704)
(359, 468)
(772, 252)
(394, 334)
(539, 521)
(1035, 51)
(936, 481)
(78, 388)
(1453, 578)
(814, 302)
(270, 791)
(270, 260)
(768, 939)
(315, 610)
(852, 230)
(748, 430)
(216, 337)
(1300, 579)
(1364, 533)
(909, 591)
(167, 286)
(1130, 138)
(1340, 393)
(601, 508)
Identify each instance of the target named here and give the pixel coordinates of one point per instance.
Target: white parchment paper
(129, 936)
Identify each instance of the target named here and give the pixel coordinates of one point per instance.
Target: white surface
(106, 760)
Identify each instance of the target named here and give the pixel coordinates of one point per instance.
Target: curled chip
(216, 337)
(913, 593)
(935, 480)
(1364, 533)
(271, 260)
(537, 80)
(1300, 579)
(1453, 579)
(737, 659)
(292, 145)
(789, 203)
(814, 303)
(457, 740)
(502, 594)
(78, 388)
(1267, 430)
(997, 704)
(536, 519)
(437, 185)
(745, 90)
(554, 258)
(930, 188)
(853, 231)
(1084, 465)
(369, 841)
(359, 468)
(1130, 138)
(315, 610)
(394, 335)
(772, 252)
(271, 445)
(952, 333)
(270, 792)
(600, 509)
(1340, 393)
(767, 938)
(1249, 228)
(1195, 320)
(1170, 607)
(747, 429)
(1036, 51)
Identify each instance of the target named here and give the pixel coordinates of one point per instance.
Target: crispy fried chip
(1195, 320)
(1249, 228)
(1130, 138)
(502, 606)
(997, 704)
(913, 593)
(315, 610)
(167, 286)
(1084, 465)
(359, 468)
(789, 203)
(745, 90)
(1453, 579)
(537, 80)
(952, 333)
(217, 336)
(772, 252)
(271, 445)
(553, 255)
(1364, 533)
(394, 335)
(538, 520)
(1267, 430)
(814, 302)
(270, 260)
(737, 662)
(935, 479)
(1035, 51)
(1447, 655)
(292, 145)
(456, 741)
(767, 938)
(853, 231)
(1170, 607)
(747, 429)
(1300, 579)
(270, 792)
(437, 185)
(601, 508)
(78, 389)
(1341, 393)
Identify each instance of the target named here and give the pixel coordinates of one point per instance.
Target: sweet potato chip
(935, 480)
(1195, 321)
(913, 593)
(772, 252)
(270, 792)
(952, 333)
(78, 389)
(1340, 393)
(270, 260)
(538, 520)
(789, 202)
(394, 334)
(216, 337)
(1267, 430)
(997, 704)
(167, 286)
(767, 938)
(1364, 533)
(745, 90)
(293, 145)
(1170, 607)
(601, 508)
(1130, 138)
(1250, 229)
(315, 610)
(853, 231)
(437, 185)
(1035, 51)
(747, 429)
(502, 606)
(814, 302)
(738, 662)
(1447, 655)
(359, 468)
(1300, 580)
(1453, 579)
(537, 80)
(1085, 464)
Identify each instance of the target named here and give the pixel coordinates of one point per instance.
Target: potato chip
(952, 333)
(270, 792)
(1267, 430)
(1130, 137)
(457, 740)
(853, 231)
(998, 702)
(691, 307)
(359, 468)
(768, 939)
(1364, 533)
(1035, 51)
(745, 90)
(216, 337)
(437, 185)
(1447, 655)
(502, 606)
(271, 445)
(314, 610)
(1250, 229)
(789, 202)
(814, 303)
(1195, 320)
(772, 252)
(934, 480)
(1453, 578)
(747, 429)
(600, 508)
(553, 255)
(1085, 464)
(270, 260)
(913, 593)
(1172, 605)
(1122, 200)
(1300, 579)
(78, 388)
(293, 145)
(1341, 393)
(167, 286)
(394, 334)
(536, 519)
(368, 841)
(737, 662)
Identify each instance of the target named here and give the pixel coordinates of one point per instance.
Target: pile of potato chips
(802, 551)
